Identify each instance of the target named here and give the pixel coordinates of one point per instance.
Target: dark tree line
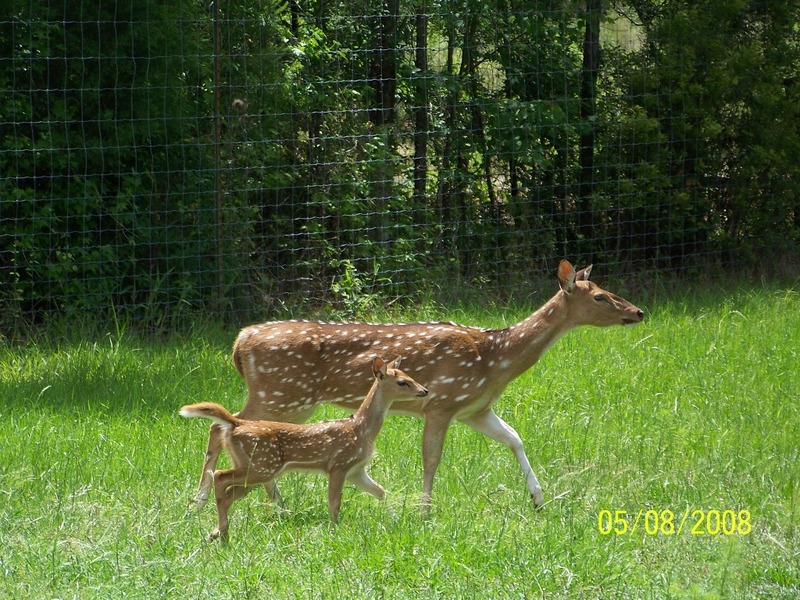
(163, 158)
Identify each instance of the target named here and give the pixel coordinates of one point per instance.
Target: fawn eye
(402, 382)
(600, 297)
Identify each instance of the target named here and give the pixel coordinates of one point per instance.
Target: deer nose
(423, 392)
(640, 314)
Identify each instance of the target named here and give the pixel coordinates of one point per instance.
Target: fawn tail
(210, 410)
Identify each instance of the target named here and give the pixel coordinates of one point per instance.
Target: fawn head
(390, 377)
(589, 304)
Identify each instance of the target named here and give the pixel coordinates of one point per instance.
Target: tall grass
(694, 409)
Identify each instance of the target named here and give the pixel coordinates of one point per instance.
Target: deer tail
(210, 410)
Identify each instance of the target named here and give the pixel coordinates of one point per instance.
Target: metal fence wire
(164, 159)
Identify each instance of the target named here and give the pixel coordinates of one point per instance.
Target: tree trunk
(591, 63)
(421, 110)
(383, 70)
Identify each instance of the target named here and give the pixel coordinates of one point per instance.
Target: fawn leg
(361, 480)
(229, 486)
(207, 476)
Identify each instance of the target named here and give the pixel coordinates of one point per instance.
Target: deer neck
(369, 417)
(520, 346)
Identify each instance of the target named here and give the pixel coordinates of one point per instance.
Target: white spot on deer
(262, 394)
(481, 382)
(277, 393)
(461, 398)
(505, 364)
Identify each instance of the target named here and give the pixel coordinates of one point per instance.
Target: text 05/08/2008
(666, 522)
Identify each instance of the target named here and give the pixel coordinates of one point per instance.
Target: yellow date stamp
(666, 522)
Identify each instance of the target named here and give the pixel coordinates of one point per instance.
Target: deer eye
(402, 382)
(600, 297)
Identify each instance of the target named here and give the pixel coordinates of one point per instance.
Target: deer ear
(378, 367)
(583, 274)
(395, 364)
(566, 276)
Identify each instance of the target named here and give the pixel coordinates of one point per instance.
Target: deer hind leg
(490, 425)
(229, 486)
(433, 435)
(274, 493)
(207, 476)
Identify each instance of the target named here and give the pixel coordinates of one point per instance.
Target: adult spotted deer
(263, 450)
(465, 369)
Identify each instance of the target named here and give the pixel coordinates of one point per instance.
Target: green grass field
(688, 421)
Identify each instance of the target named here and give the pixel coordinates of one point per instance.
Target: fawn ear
(583, 274)
(395, 364)
(566, 276)
(378, 367)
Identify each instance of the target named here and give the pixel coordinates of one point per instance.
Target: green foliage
(229, 158)
(729, 69)
(101, 205)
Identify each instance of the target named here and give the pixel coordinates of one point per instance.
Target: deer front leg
(433, 435)
(490, 425)
(361, 480)
(335, 486)
(207, 476)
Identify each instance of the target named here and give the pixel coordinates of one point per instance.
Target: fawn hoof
(218, 535)
(538, 498)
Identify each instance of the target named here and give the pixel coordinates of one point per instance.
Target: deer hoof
(198, 502)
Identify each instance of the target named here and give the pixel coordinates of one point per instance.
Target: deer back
(290, 366)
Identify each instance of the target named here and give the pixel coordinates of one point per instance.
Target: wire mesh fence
(169, 159)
